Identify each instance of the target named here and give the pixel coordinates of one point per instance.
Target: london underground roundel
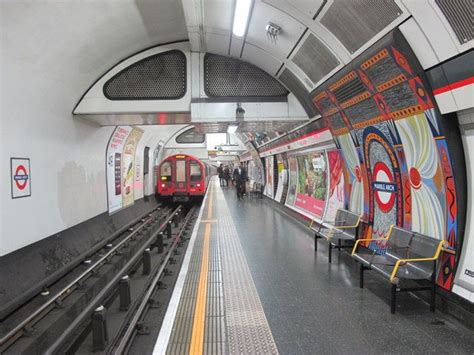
(384, 186)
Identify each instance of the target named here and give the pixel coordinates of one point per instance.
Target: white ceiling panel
(218, 14)
(261, 59)
(236, 47)
(217, 44)
(308, 8)
(291, 30)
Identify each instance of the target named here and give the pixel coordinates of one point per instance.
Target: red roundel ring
(415, 178)
(382, 174)
(23, 177)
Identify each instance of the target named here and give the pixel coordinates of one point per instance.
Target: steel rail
(131, 327)
(19, 327)
(55, 347)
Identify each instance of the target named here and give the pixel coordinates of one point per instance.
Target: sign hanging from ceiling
(20, 177)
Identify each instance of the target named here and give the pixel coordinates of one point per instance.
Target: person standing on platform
(226, 175)
(240, 177)
(220, 172)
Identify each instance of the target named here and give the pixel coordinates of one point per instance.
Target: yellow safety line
(199, 320)
(197, 337)
(209, 221)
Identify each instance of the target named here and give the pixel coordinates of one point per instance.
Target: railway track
(98, 307)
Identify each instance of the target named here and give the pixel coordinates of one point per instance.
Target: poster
(282, 179)
(269, 176)
(129, 166)
(336, 184)
(312, 183)
(114, 167)
(293, 181)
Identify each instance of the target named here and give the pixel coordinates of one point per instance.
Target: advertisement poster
(128, 166)
(336, 184)
(312, 183)
(114, 167)
(293, 181)
(282, 179)
(269, 176)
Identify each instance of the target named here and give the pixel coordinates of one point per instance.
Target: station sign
(20, 177)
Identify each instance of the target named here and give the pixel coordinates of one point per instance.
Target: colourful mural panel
(396, 156)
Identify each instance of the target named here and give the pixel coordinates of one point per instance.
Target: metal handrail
(53, 299)
(136, 317)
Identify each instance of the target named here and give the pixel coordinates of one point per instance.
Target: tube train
(183, 177)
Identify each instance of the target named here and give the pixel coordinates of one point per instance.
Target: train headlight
(162, 185)
(198, 185)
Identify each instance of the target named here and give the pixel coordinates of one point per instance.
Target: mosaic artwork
(396, 156)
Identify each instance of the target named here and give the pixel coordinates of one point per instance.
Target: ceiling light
(241, 16)
(232, 128)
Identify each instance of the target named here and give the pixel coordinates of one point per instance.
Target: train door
(180, 168)
(195, 174)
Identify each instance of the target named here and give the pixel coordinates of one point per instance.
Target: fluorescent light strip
(241, 17)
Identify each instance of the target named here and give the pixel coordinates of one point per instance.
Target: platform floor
(252, 283)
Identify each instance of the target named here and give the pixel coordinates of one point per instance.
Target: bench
(257, 190)
(402, 256)
(344, 228)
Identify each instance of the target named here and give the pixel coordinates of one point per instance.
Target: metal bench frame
(394, 280)
(333, 232)
(256, 191)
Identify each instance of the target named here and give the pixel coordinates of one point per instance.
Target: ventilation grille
(460, 15)
(159, 77)
(299, 90)
(315, 59)
(355, 22)
(229, 77)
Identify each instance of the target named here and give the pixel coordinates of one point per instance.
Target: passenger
(220, 171)
(240, 177)
(227, 175)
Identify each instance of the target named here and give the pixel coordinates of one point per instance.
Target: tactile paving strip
(247, 327)
(234, 319)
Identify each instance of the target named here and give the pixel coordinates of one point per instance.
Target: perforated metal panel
(315, 59)
(299, 90)
(460, 15)
(158, 77)
(229, 77)
(355, 22)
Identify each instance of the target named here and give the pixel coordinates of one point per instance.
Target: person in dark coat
(226, 175)
(220, 171)
(240, 177)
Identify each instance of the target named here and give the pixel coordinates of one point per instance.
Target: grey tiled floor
(314, 307)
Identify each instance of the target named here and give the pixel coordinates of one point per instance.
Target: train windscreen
(166, 171)
(195, 172)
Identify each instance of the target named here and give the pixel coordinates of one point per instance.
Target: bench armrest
(404, 261)
(365, 240)
(345, 227)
